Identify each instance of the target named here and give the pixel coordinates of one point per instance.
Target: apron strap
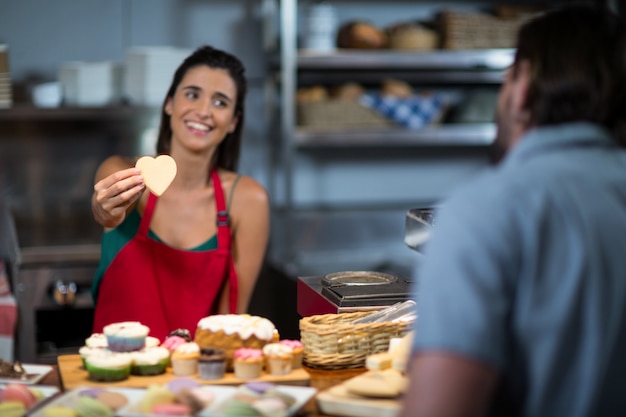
(223, 220)
(224, 240)
(144, 226)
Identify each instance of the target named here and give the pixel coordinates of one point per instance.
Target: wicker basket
(477, 30)
(331, 342)
(339, 114)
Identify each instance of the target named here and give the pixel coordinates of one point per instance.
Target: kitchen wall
(42, 34)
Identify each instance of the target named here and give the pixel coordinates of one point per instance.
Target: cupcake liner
(107, 375)
(147, 370)
(279, 366)
(125, 344)
(184, 367)
(211, 370)
(248, 370)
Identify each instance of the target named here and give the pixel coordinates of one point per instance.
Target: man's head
(570, 66)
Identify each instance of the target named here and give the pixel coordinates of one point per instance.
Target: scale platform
(335, 293)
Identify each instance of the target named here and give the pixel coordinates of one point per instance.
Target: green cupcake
(108, 368)
(150, 361)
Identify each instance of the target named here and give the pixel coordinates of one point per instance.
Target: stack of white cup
(320, 28)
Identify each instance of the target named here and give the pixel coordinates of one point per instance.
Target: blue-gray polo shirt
(526, 270)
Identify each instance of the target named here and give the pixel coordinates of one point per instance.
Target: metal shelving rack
(290, 66)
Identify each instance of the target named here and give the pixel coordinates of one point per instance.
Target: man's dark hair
(227, 154)
(577, 58)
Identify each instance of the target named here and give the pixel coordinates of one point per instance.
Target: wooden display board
(74, 375)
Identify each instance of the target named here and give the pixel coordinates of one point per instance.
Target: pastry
(397, 88)
(96, 340)
(113, 400)
(150, 361)
(360, 35)
(378, 361)
(411, 36)
(184, 359)
(57, 411)
(20, 393)
(278, 358)
(211, 364)
(172, 342)
(12, 409)
(126, 336)
(348, 92)
(88, 406)
(229, 332)
(155, 394)
(248, 363)
(314, 93)
(158, 173)
(108, 367)
(381, 384)
(297, 350)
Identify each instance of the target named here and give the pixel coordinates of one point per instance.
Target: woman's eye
(220, 103)
(191, 95)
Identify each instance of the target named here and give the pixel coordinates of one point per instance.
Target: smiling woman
(197, 249)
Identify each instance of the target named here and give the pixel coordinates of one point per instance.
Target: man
(522, 291)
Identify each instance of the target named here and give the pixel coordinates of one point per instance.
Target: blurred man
(522, 290)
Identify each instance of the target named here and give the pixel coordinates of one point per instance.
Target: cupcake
(96, 340)
(127, 336)
(184, 333)
(184, 359)
(248, 363)
(86, 351)
(172, 342)
(150, 361)
(297, 349)
(152, 342)
(109, 367)
(278, 358)
(211, 364)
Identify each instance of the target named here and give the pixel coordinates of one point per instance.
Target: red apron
(167, 288)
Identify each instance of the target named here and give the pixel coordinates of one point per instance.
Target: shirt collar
(556, 137)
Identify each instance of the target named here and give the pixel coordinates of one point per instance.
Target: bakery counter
(319, 379)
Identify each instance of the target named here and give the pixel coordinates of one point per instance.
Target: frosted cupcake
(248, 363)
(108, 368)
(184, 359)
(96, 340)
(172, 342)
(150, 361)
(297, 349)
(127, 336)
(278, 358)
(86, 351)
(151, 342)
(211, 364)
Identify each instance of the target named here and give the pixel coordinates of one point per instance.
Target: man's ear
(519, 93)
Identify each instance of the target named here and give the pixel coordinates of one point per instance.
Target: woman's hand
(115, 194)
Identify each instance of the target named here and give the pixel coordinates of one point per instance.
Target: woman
(169, 261)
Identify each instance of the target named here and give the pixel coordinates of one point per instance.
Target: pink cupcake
(248, 363)
(297, 349)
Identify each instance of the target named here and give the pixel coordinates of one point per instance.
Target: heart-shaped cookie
(158, 173)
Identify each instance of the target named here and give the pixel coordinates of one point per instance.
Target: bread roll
(360, 35)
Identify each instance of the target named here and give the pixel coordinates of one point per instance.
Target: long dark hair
(227, 153)
(577, 58)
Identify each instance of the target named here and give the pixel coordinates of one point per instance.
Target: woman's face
(202, 110)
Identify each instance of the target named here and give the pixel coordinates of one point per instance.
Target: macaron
(90, 407)
(59, 411)
(12, 409)
(19, 392)
(113, 400)
(171, 409)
